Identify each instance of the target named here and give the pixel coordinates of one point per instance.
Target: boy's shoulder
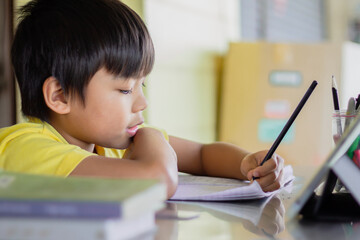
(36, 147)
(31, 128)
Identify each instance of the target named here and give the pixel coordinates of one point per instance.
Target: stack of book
(48, 207)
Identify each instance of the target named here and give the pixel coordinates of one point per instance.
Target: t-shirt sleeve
(40, 154)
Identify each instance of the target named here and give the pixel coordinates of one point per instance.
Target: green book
(28, 195)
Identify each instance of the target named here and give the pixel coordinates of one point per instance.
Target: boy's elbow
(168, 173)
(169, 176)
(171, 184)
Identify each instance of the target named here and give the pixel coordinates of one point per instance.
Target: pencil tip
(334, 82)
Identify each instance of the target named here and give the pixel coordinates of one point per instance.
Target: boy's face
(113, 110)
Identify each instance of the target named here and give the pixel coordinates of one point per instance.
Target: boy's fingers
(271, 182)
(252, 168)
(261, 171)
(250, 175)
(274, 164)
(248, 166)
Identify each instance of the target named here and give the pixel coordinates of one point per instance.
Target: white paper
(202, 188)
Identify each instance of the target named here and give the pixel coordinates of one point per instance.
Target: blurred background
(234, 70)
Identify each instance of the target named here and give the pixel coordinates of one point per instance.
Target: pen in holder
(341, 119)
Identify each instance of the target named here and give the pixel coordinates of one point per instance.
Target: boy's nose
(140, 103)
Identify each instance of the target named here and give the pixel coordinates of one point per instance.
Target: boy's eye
(125, 91)
(143, 84)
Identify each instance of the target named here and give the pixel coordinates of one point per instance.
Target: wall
(189, 38)
(136, 5)
(283, 21)
(342, 17)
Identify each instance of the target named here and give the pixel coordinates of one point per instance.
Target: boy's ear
(54, 96)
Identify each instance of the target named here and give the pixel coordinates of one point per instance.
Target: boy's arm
(215, 159)
(148, 156)
(227, 160)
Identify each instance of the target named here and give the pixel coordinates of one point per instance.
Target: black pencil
(289, 122)
(335, 94)
(336, 104)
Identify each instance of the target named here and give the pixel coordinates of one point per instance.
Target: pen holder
(340, 121)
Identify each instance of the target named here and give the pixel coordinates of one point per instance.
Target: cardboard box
(262, 85)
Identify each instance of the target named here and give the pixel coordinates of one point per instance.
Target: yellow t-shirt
(36, 147)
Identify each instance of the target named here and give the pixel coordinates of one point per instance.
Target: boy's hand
(150, 146)
(269, 174)
(149, 143)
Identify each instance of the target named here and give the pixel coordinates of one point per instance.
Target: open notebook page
(202, 188)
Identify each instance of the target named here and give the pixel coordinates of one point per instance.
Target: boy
(81, 66)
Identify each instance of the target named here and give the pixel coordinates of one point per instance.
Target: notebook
(200, 188)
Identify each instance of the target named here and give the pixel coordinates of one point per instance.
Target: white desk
(196, 221)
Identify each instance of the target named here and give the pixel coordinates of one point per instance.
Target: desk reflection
(306, 229)
(167, 223)
(271, 221)
(263, 217)
(168, 219)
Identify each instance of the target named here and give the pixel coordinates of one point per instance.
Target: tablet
(337, 165)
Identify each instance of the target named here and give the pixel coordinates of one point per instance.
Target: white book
(201, 188)
(15, 228)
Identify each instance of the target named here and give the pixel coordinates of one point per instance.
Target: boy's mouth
(132, 130)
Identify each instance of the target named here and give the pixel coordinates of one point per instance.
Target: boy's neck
(90, 147)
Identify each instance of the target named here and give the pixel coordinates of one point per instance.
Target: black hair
(71, 40)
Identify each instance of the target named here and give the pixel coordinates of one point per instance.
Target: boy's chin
(118, 145)
(123, 145)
